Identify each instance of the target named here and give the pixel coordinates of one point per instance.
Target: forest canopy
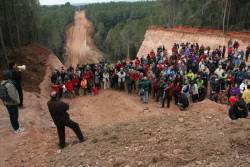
(120, 27)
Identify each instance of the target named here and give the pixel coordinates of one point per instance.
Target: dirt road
(80, 47)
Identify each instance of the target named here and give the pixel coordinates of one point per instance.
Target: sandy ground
(79, 44)
(195, 138)
(39, 142)
(157, 36)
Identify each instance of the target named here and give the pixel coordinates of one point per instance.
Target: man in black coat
(238, 110)
(58, 111)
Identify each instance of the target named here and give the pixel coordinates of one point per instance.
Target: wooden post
(3, 47)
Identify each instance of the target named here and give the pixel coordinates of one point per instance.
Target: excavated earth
(158, 36)
(80, 46)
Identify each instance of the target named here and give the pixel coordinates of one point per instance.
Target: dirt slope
(191, 139)
(30, 147)
(79, 44)
(157, 36)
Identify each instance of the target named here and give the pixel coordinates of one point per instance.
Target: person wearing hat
(238, 110)
(13, 101)
(58, 111)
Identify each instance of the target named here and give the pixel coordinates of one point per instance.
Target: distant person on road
(58, 111)
(17, 80)
(11, 100)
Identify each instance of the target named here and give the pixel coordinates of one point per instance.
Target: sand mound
(157, 36)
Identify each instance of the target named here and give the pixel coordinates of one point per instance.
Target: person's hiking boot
(61, 146)
(19, 130)
(83, 140)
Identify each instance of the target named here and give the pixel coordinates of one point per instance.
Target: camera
(21, 68)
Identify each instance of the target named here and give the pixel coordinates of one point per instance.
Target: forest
(25, 21)
(118, 27)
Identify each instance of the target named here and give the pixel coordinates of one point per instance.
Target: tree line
(18, 24)
(52, 26)
(120, 26)
(25, 21)
(224, 14)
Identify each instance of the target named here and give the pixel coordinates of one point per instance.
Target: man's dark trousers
(61, 132)
(13, 113)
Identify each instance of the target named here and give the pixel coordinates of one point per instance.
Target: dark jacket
(235, 113)
(183, 100)
(58, 111)
(17, 78)
(145, 85)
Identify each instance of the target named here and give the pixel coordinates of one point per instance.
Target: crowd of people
(190, 73)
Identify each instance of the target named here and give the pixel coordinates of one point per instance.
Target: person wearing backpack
(10, 97)
(16, 76)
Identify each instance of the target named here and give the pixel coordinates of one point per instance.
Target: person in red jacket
(232, 100)
(168, 93)
(137, 62)
(69, 87)
(177, 92)
(76, 84)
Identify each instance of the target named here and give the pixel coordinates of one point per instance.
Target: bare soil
(34, 56)
(158, 36)
(202, 136)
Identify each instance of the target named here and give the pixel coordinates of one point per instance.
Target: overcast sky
(52, 2)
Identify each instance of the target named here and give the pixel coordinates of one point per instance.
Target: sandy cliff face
(155, 37)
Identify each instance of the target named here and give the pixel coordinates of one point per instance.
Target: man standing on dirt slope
(58, 112)
(11, 101)
(17, 80)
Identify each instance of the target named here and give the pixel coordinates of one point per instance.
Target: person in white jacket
(219, 71)
(121, 79)
(106, 80)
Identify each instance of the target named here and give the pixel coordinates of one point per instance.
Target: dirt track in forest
(80, 47)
